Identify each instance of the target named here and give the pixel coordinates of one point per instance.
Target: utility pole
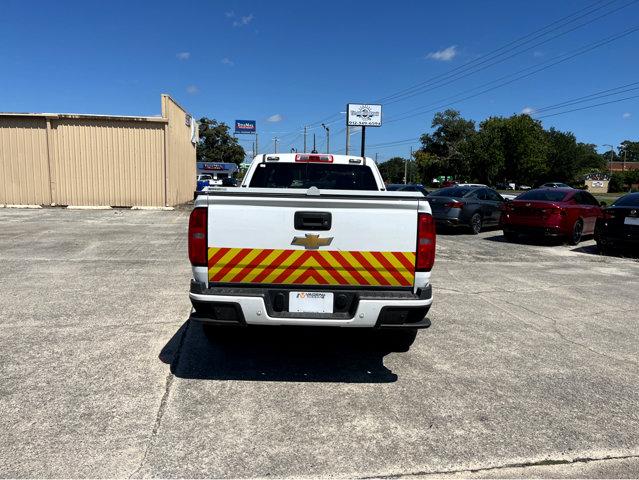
(314, 149)
(375, 157)
(304, 139)
(348, 139)
(255, 143)
(275, 139)
(363, 141)
(328, 138)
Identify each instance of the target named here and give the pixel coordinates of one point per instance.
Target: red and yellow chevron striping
(311, 267)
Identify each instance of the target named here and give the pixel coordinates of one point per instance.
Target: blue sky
(290, 63)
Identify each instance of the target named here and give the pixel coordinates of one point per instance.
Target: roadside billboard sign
(363, 115)
(245, 126)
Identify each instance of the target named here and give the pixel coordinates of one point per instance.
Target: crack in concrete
(164, 401)
(537, 463)
(569, 340)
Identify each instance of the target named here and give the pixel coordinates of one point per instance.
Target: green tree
(525, 149)
(562, 156)
(629, 151)
(487, 151)
(588, 160)
(427, 166)
(216, 144)
(392, 170)
(449, 142)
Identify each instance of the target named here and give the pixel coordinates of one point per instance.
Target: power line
(491, 55)
(461, 75)
(590, 97)
(577, 53)
(589, 106)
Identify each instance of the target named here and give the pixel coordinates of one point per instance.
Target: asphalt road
(530, 368)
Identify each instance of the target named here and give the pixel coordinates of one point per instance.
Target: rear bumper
(613, 240)
(451, 218)
(542, 231)
(243, 306)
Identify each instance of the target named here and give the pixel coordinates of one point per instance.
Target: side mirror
(603, 204)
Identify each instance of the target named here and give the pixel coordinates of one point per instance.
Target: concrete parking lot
(530, 368)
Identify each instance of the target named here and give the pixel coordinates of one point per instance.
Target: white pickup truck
(315, 240)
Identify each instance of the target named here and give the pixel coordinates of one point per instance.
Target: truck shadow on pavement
(527, 240)
(284, 354)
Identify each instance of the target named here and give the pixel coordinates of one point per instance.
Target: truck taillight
(425, 242)
(304, 157)
(197, 237)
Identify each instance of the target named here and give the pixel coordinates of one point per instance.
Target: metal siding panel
(24, 175)
(181, 159)
(108, 162)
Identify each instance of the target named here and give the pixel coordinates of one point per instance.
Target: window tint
(481, 194)
(544, 195)
(588, 199)
(631, 200)
(452, 192)
(321, 175)
(493, 196)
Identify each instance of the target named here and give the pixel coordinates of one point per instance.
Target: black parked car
(473, 207)
(619, 225)
(409, 187)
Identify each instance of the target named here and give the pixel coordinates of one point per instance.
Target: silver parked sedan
(468, 206)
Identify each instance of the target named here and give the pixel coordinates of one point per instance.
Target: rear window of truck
(321, 175)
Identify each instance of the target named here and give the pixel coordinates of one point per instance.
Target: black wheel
(475, 223)
(397, 340)
(577, 232)
(510, 236)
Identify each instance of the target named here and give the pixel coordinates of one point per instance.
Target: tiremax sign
(364, 115)
(244, 126)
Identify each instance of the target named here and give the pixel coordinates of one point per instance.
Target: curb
(22, 206)
(152, 208)
(88, 207)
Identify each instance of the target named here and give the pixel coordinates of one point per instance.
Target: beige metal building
(69, 159)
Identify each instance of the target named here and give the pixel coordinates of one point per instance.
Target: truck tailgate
(341, 239)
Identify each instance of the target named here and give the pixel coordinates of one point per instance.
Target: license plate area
(631, 221)
(310, 302)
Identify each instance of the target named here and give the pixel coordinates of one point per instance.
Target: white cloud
(228, 61)
(626, 115)
(243, 20)
(538, 54)
(445, 55)
(275, 118)
(230, 14)
(183, 55)
(192, 89)
(528, 110)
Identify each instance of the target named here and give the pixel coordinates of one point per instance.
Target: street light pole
(328, 138)
(275, 140)
(304, 139)
(612, 156)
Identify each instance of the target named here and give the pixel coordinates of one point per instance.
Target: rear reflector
(303, 157)
(425, 242)
(197, 237)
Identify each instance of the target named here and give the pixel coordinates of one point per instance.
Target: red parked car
(552, 212)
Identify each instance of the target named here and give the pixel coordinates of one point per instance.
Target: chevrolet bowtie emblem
(311, 242)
